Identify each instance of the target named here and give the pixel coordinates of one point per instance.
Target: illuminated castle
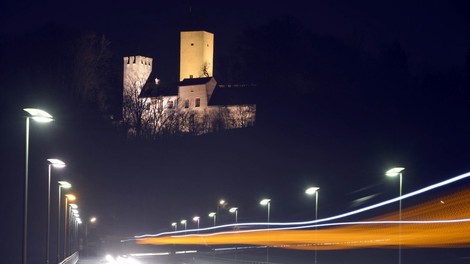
(197, 105)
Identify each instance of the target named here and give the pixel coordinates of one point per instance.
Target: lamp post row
(41, 116)
(394, 172)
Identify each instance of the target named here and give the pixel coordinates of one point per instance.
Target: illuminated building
(198, 104)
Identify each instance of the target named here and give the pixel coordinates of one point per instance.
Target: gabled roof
(233, 95)
(151, 89)
(195, 81)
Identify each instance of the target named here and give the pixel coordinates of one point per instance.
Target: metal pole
(316, 217)
(65, 226)
(267, 246)
(399, 224)
(48, 213)
(25, 213)
(58, 229)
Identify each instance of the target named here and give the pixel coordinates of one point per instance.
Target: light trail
(443, 222)
(309, 223)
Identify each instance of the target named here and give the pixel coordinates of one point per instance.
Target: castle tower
(196, 54)
(137, 70)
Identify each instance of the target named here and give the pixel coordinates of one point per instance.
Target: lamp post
(185, 223)
(196, 219)
(65, 185)
(213, 215)
(68, 197)
(234, 210)
(312, 191)
(267, 202)
(397, 171)
(42, 117)
(56, 164)
(73, 234)
(222, 203)
(92, 220)
(174, 225)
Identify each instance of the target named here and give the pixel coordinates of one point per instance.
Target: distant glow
(150, 254)
(222, 202)
(93, 220)
(212, 214)
(71, 197)
(65, 185)
(56, 163)
(312, 190)
(265, 201)
(233, 209)
(394, 172)
(39, 115)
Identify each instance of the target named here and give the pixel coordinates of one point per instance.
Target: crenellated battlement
(138, 60)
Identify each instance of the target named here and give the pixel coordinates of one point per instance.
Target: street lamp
(397, 171)
(68, 197)
(185, 223)
(92, 220)
(65, 185)
(175, 225)
(213, 215)
(267, 202)
(196, 219)
(234, 210)
(41, 117)
(56, 164)
(312, 191)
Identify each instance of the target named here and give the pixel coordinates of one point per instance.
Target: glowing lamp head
(212, 214)
(196, 218)
(64, 184)
(73, 206)
(312, 190)
(39, 115)
(183, 221)
(265, 201)
(93, 220)
(233, 209)
(394, 172)
(174, 224)
(56, 163)
(222, 202)
(70, 197)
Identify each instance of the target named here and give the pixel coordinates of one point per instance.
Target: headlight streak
(431, 224)
(309, 223)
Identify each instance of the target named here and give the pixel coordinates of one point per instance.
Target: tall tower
(137, 70)
(196, 54)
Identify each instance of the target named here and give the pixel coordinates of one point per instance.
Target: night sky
(338, 134)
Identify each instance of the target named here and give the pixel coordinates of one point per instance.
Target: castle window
(169, 105)
(198, 102)
(186, 103)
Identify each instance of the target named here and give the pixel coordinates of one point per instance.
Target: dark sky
(138, 187)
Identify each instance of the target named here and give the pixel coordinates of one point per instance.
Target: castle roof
(195, 81)
(233, 95)
(152, 89)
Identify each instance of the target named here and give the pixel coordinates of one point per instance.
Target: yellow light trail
(443, 222)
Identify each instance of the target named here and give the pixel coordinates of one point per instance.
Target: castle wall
(196, 54)
(137, 69)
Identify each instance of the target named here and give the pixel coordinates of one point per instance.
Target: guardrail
(72, 259)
